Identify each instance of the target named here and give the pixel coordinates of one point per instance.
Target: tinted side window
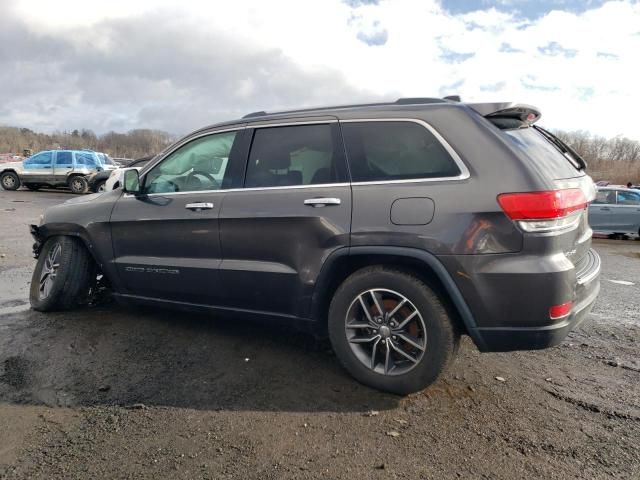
(605, 197)
(628, 198)
(395, 151)
(39, 160)
(198, 165)
(63, 159)
(294, 155)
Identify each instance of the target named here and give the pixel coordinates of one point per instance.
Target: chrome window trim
(251, 189)
(464, 171)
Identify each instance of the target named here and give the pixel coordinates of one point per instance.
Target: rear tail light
(546, 211)
(560, 311)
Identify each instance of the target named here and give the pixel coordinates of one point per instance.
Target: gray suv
(394, 228)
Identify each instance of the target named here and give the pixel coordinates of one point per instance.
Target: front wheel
(100, 187)
(10, 181)
(63, 275)
(78, 185)
(391, 331)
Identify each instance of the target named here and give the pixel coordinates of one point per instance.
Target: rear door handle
(322, 202)
(605, 209)
(199, 206)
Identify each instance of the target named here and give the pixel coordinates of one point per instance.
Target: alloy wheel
(49, 270)
(386, 331)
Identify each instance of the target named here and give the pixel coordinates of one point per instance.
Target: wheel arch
(44, 232)
(424, 265)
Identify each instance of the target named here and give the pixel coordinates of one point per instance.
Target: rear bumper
(510, 299)
(535, 338)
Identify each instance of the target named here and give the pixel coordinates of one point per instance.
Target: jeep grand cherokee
(395, 227)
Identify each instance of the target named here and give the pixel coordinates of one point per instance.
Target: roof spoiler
(525, 113)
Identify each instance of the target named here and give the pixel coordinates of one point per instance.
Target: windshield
(543, 154)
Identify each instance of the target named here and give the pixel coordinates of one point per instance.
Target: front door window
(199, 165)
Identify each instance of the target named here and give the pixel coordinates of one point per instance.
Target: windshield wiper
(576, 159)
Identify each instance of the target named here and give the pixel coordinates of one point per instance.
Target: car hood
(83, 199)
(12, 165)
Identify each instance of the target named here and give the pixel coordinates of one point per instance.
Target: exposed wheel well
(344, 266)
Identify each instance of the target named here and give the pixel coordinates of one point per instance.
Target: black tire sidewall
(67, 285)
(78, 178)
(441, 336)
(10, 174)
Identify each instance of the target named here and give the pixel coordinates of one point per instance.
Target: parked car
(107, 180)
(616, 211)
(97, 179)
(394, 228)
(52, 168)
(123, 161)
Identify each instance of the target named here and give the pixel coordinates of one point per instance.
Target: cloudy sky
(180, 64)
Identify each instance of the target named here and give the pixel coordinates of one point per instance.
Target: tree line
(133, 144)
(615, 159)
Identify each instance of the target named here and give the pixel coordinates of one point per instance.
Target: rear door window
(395, 150)
(64, 159)
(295, 155)
(628, 198)
(542, 153)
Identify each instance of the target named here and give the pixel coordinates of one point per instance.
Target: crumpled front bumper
(39, 240)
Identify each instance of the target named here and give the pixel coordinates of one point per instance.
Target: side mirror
(131, 183)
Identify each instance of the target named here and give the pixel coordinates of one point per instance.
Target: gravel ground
(115, 393)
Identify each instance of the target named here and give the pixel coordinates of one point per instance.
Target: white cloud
(593, 88)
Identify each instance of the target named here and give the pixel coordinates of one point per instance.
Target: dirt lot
(107, 392)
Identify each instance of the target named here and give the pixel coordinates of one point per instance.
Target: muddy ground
(109, 392)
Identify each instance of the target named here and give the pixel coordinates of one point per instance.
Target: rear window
(379, 151)
(542, 153)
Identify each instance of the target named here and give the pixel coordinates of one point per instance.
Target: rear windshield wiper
(575, 158)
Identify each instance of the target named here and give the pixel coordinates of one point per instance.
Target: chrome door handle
(199, 206)
(321, 202)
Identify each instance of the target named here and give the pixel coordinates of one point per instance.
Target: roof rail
(255, 114)
(400, 101)
(418, 100)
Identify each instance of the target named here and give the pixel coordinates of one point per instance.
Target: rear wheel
(78, 184)
(63, 275)
(390, 330)
(10, 181)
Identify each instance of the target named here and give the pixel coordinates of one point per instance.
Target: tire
(100, 187)
(32, 186)
(78, 184)
(431, 329)
(10, 181)
(63, 275)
